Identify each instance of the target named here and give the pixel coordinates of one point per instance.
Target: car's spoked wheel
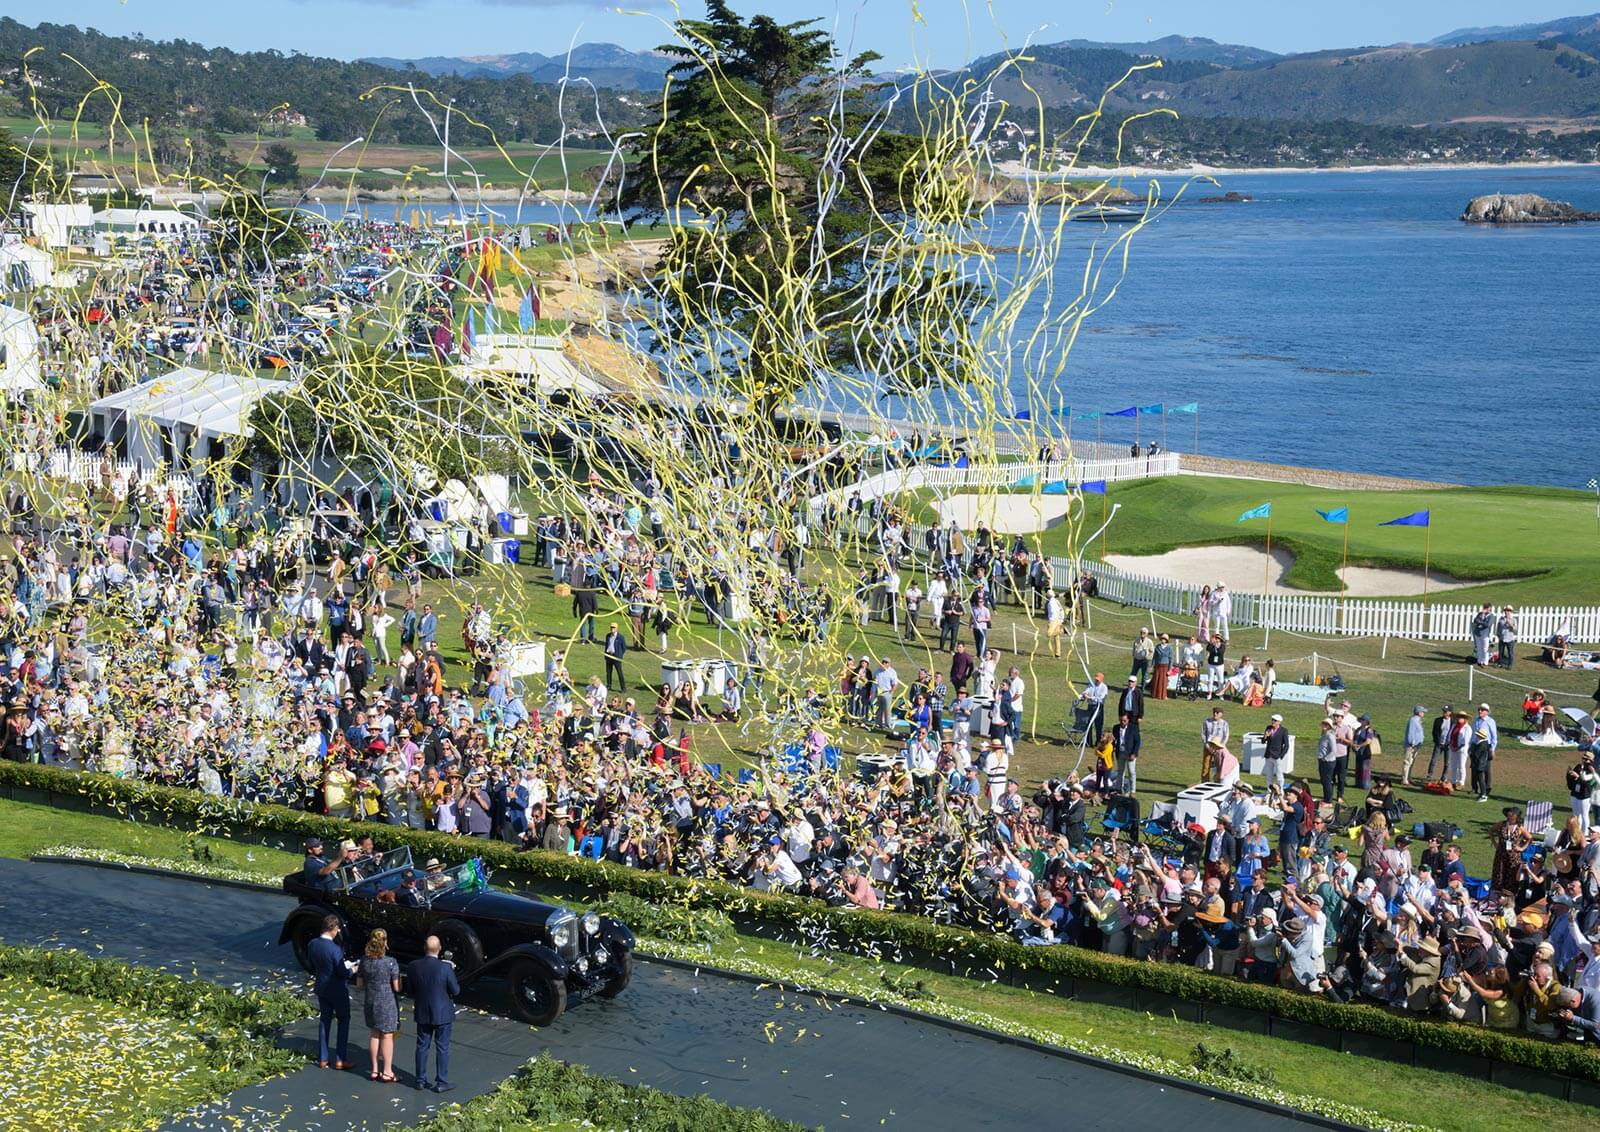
(536, 997)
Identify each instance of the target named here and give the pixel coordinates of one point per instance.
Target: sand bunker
(1008, 514)
(1244, 567)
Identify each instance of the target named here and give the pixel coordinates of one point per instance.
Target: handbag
(1375, 745)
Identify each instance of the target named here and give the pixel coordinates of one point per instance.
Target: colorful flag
(1130, 411)
(1087, 417)
(1024, 482)
(1191, 407)
(1262, 512)
(525, 314)
(1337, 515)
(1055, 487)
(1093, 487)
(468, 341)
(1151, 410)
(1024, 415)
(1415, 519)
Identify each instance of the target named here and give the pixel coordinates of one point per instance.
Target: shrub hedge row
(848, 929)
(547, 1093)
(251, 1013)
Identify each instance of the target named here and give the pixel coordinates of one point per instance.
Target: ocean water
(1351, 321)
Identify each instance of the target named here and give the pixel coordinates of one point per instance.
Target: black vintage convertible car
(548, 954)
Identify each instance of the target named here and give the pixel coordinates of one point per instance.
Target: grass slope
(1543, 537)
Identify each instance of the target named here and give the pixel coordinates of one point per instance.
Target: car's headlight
(591, 923)
(564, 932)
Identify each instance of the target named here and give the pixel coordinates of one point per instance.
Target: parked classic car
(548, 955)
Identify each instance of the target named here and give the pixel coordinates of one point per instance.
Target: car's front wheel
(619, 982)
(537, 997)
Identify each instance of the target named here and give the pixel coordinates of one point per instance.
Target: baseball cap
(1277, 719)
(313, 843)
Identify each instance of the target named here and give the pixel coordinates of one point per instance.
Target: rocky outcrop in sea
(1522, 208)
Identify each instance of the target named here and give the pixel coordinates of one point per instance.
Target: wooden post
(1266, 570)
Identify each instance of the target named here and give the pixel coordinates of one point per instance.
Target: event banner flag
(1191, 407)
(1093, 487)
(1337, 515)
(1151, 410)
(1262, 512)
(1130, 411)
(1415, 519)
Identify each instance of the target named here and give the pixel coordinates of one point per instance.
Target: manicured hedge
(548, 1093)
(251, 1013)
(845, 929)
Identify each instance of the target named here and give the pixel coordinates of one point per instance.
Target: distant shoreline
(1085, 172)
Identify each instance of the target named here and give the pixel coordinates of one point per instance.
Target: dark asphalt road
(806, 1060)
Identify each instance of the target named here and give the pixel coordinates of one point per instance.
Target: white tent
(60, 225)
(527, 357)
(182, 417)
(19, 352)
(23, 266)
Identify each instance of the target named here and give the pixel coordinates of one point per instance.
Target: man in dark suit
(1220, 845)
(616, 647)
(1131, 702)
(433, 989)
(333, 993)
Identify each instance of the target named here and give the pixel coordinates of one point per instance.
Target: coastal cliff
(1522, 208)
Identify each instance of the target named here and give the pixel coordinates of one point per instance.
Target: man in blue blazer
(333, 992)
(433, 989)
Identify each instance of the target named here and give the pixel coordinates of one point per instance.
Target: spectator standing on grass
(1485, 741)
(1213, 737)
(1482, 634)
(1144, 651)
(1216, 662)
(1162, 662)
(1327, 760)
(1055, 615)
(1505, 631)
(1415, 736)
(1125, 739)
(1275, 740)
(1094, 698)
(884, 684)
(1221, 610)
(982, 617)
(1583, 784)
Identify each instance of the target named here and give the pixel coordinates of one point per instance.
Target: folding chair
(1537, 816)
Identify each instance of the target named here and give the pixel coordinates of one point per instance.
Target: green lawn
(1544, 537)
(70, 1062)
(25, 829)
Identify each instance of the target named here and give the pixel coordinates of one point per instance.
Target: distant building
(23, 266)
(162, 223)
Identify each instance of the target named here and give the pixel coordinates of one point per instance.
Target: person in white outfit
(1221, 610)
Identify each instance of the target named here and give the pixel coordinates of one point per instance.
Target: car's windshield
(375, 866)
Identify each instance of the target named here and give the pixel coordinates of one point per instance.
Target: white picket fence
(78, 467)
(1330, 616)
(912, 477)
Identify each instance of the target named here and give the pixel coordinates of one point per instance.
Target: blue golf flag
(1055, 487)
(1415, 519)
(1191, 407)
(1337, 515)
(525, 313)
(1024, 482)
(1093, 487)
(1151, 410)
(1130, 411)
(1087, 417)
(1262, 512)
(1024, 415)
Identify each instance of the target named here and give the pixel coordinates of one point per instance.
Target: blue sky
(949, 32)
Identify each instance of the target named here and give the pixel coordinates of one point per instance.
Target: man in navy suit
(333, 992)
(433, 988)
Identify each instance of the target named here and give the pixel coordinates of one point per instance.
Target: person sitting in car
(408, 895)
(318, 872)
(434, 877)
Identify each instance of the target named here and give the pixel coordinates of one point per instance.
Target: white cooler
(1255, 750)
(1198, 805)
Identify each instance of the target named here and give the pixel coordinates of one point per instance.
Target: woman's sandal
(373, 1077)
(389, 1078)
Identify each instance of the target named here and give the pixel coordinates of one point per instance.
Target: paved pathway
(822, 1064)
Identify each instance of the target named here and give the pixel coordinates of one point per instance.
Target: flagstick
(1427, 547)
(1105, 523)
(1344, 568)
(1163, 426)
(1266, 569)
(1097, 436)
